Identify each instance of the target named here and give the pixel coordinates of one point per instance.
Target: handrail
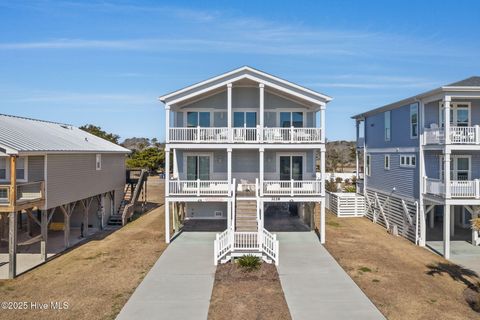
(130, 208)
(292, 187)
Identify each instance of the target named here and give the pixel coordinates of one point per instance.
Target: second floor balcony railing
(25, 192)
(458, 135)
(456, 188)
(245, 135)
(199, 188)
(292, 187)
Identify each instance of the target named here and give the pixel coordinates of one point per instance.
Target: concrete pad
(461, 252)
(315, 286)
(179, 285)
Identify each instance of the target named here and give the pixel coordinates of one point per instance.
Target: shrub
(249, 262)
(350, 189)
(347, 181)
(338, 180)
(331, 185)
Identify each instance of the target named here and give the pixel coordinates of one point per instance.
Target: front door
(198, 167)
(291, 167)
(459, 168)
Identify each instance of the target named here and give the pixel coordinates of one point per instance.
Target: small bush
(365, 269)
(338, 180)
(331, 186)
(249, 262)
(350, 189)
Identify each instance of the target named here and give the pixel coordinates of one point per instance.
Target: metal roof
(472, 83)
(24, 135)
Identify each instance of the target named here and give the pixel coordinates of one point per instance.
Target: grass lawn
(403, 280)
(97, 278)
(239, 294)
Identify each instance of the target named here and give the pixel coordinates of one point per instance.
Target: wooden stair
(116, 219)
(246, 215)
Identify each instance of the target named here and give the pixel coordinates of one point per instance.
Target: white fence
(199, 187)
(244, 243)
(346, 204)
(292, 187)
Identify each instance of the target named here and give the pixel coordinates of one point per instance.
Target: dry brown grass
(403, 280)
(239, 294)
(96, 278)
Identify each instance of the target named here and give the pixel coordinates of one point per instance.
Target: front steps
(246, 215)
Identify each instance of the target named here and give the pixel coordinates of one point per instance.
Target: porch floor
(461, 252)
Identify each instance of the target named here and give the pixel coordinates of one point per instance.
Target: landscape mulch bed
(239, 294)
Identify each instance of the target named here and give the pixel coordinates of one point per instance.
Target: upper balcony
(22, 196)
(456, 189)
(456, 134)
(245, 135)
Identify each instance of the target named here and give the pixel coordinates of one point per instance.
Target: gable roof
(472, 83)
(23, 135)
(244, 72)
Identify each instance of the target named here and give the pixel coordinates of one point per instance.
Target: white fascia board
(8, 150)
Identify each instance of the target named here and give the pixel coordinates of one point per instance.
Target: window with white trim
(408, 161)
(414, 121)
(388, 125)
(368, 169)
(386, 162)
(3, 168)
(98, 162)
(21, 171)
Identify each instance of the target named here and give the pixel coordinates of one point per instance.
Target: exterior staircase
(246, 215)
(116, 219)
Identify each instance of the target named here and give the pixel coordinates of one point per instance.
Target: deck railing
(456, 188)
(244, 243)
(199, 187)
(458, 135)
(25, 192)
(292, 187)
(246, 135)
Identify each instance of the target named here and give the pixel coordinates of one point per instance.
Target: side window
(21, 170)
(408, 161)
(387, 162)
(414, 121)
(3, 168)
(368, 169)
(388, 123)
(98, 162)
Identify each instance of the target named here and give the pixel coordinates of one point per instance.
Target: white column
(262, 169)
(357, 163)
(229, 214)
(423, 228)
(322, 221)
(322, 122)
(229, 168)
(262, 112)
(446, 232)
(474, 232)
(167, 123)
(452, 221)
(229, 111)
(446, 171)
(322, 169)
(446, 117)
(167, 221)
(175, 164)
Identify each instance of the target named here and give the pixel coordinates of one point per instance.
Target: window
(291, 119)
(459, 168)
(245, 119)
(20, 169)
(195, 119)
(414, 121)
(387, 162)
(98, 162)
(291, 167)
(408, 161)
(368, 170)
(3, 168)
(388, 125)
(459, 114)
(198, 167)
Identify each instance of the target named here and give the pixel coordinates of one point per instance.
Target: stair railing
(130, 208)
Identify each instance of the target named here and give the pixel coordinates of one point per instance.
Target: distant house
(422, 164)
(56, 176)
(244, 146)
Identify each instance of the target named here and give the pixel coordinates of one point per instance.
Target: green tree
(97, 131)
(151, 158)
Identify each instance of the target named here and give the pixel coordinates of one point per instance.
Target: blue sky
(106, 62)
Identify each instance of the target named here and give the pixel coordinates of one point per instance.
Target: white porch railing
(292, 134)
(458, 135)
(199, 134)
(457, 188)
(345, 204)
(244, 243)
(292, 187)
(245, 134)
(199, 187)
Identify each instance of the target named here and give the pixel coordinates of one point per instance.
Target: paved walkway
(179, 285)
(315, 286)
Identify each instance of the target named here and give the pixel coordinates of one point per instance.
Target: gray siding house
(244, 145)
(421, 159)
(55, 176)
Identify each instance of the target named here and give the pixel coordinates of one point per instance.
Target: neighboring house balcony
(456, 135)
(458, 189)
(21, 196)
(245, 135)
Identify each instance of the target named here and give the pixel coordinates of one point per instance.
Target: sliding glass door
(198, 119)
(198, 167)
(291, 119)
(291, 167)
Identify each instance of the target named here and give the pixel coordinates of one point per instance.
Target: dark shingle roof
(469, 82)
